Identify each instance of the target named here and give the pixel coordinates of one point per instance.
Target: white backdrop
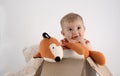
(23, 21)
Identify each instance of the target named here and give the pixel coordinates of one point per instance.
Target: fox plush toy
(51, 50)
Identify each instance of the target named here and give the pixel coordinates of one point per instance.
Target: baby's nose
(75, 33)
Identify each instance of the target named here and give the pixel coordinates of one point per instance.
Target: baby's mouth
(74, 37)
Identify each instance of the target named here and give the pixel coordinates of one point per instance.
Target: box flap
(101, 70)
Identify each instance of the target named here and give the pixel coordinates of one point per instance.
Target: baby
(73, 30)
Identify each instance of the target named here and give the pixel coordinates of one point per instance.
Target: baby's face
(74, 31)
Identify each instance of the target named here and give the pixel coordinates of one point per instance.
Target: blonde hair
(70, 17)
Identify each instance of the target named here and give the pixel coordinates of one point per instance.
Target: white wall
(23, 21)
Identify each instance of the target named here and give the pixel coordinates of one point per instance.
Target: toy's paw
(98, 57)
(37, 55)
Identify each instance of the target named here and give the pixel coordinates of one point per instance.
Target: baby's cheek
(81, 34)
(68, 35)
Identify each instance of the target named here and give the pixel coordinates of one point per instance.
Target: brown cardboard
(66, 67)
(101, 70)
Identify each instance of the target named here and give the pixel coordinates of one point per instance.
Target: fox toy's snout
(56, 51)
(57, 59)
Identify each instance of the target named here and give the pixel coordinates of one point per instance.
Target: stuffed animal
(50, 49)
(29, 52)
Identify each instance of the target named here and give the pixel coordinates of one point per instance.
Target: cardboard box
(66, 67)
(101, 70)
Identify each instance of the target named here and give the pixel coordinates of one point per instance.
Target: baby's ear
(62, 32)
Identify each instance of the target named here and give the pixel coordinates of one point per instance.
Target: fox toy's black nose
(57, 59)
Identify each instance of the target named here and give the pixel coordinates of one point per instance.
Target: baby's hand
(82, 41)
(64, 42)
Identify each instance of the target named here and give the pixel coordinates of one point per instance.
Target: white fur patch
(49, 60)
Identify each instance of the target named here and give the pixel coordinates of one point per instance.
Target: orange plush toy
(82, 50)
(49, 49)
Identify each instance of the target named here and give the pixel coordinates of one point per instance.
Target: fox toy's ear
(45, 35)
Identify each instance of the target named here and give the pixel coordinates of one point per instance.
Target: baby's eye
(70, 29)
(78, 28)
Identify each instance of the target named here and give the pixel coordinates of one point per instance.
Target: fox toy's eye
(53, 47)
